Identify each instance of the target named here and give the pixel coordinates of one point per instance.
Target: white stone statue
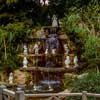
(11, 78)
(46, 51)
(66, 49)
(53, 51)
(36, 48)
(25, 52)
(54, 21)
(75, 61)
(67, 62)
(25, 62)
(35, 87)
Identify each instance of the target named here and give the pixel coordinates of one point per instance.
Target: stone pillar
(19, 95)
(84, 96)
(1, 91)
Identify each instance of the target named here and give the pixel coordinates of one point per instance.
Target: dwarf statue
(11, 78)
(76, 61)
(54, 21)
(25, 52)
(25, 62)
(67, 61)
(36, 48)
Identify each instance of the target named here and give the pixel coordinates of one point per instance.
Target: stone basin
(46, 86)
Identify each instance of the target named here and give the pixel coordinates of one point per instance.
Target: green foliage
(76, 30)
(89, 84)
(10, 36)
(82, 25)
(88, 16)
(73, 23)
(11, 1)
(13, 31)
(69, 80)
(92, 52)
(92, 47)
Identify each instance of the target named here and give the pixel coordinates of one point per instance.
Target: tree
(11, 1)
(57, 7)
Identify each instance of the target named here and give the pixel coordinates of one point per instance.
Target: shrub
(92, 52)
(11, 37)
(82, 33)
(91, 84)
(92, 47)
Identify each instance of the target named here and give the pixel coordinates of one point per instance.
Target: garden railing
(6, 94)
